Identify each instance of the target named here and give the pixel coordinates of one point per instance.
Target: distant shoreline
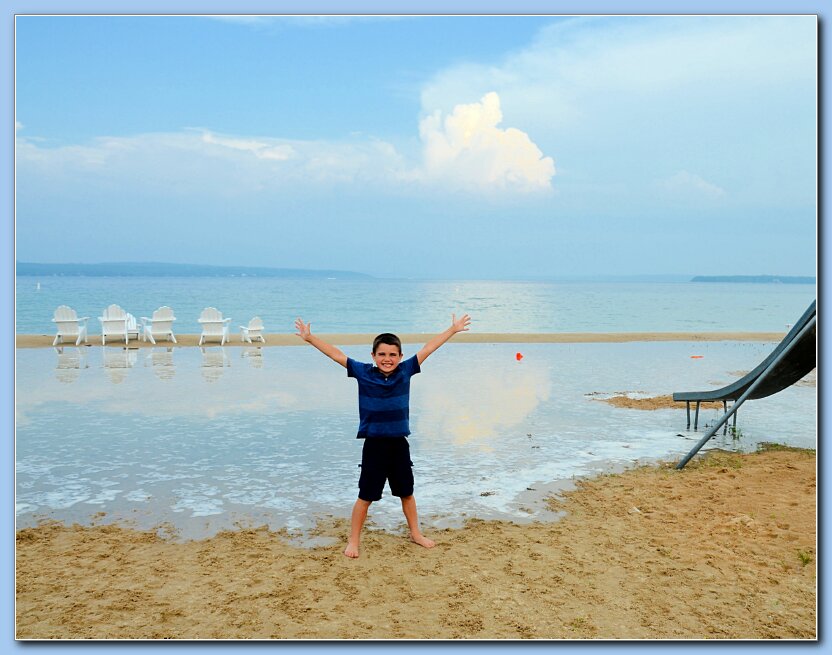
(756, 279)
(191, 340)
(163, 269)
(159, 269)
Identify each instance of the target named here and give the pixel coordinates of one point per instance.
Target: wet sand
(634, 400)
(655, 402)
(44, 341)
(725, 549)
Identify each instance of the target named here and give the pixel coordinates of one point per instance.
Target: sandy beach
(281, 339)
(725, 549)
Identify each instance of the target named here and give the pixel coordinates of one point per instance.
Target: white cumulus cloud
(466, 148)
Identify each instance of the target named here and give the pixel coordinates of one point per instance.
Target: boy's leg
(370, 486)
(416, 536)
(401, 484)
(359, 515)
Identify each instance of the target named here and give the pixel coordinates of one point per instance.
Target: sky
(423, 146)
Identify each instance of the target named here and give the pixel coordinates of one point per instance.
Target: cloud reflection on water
(482, 401)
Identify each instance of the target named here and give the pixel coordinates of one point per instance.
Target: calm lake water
(380, 305)
(209, 438)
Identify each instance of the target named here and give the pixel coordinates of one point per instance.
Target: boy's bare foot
(351, 551)
(422, 541)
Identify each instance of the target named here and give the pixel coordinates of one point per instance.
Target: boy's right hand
(304, 330)
(305, 333)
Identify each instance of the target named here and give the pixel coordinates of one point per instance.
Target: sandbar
(339, 339)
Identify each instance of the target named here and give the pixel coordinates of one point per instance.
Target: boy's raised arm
(457, 325)
(304, 331)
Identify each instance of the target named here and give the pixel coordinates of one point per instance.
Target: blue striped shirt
(383, 402)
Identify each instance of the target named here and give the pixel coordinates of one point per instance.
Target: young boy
(383, 408)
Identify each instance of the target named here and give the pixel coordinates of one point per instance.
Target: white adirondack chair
(213, 325)
(254, 330)
(132, 327)
(159, 325)
(115, 323)
(68, 325)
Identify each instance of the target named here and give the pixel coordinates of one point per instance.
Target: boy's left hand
(460, 324)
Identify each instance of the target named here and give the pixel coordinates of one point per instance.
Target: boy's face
(387, 358)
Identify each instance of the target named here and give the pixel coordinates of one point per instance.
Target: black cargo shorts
(385, 459)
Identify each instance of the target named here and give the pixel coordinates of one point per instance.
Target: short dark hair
(387, 339)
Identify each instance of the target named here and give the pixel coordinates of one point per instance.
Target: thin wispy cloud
(260, 149)
(299, 19)
(570, 62)
(243, 19)
(689, 184)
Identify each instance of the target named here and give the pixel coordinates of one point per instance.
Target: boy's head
(387, 352)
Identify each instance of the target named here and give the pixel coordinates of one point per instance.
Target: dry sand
(44, 340)
(725, 548)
